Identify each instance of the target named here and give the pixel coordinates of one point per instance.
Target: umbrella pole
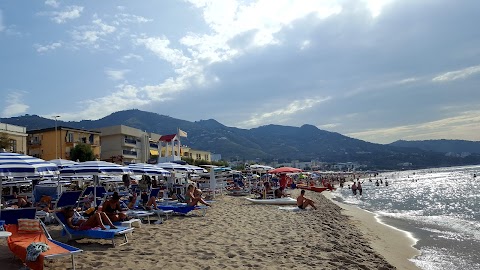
(95, 179)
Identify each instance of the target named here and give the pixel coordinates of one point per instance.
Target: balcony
(131, 141)
(129, 153)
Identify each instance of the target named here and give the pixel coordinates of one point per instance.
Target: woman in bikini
(113, 209)
(80, 223)
(193, 200)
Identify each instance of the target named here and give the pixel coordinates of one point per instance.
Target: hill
(266, 143)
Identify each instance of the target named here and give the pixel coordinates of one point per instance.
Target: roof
(168, 138)
(62, 128)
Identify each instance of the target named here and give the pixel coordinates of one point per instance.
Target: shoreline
(395, 245)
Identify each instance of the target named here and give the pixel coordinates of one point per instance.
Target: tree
(5, 142)
(82, 152)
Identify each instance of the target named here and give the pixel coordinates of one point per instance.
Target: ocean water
(439, 207)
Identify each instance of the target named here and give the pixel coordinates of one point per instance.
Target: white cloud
(116, 75)
(90, 34)
(14, 104)
(465, 126)
(52, 3)
(280, 115)
(48, 47)
(124, 18)
(457, 74)
(70, 13)
(131, 56)
(160, 46)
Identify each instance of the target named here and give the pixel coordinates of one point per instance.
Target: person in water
(303, 202)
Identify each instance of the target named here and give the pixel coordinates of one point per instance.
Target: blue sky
(377, 70)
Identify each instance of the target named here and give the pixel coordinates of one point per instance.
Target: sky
(376, 70)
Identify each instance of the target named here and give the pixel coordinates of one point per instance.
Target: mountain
(442, 146)
(266, 143)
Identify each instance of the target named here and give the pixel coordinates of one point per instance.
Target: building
(53, 143)
(196, 154)
(124, 144)
(17, 136)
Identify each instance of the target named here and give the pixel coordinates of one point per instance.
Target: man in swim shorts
(303, 202)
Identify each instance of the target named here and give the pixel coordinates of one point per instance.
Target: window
(70, 137)
(13, 145)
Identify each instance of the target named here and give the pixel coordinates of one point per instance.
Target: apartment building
(17, 136)
(124, 144)
(52, 143)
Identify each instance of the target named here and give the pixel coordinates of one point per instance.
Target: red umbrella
(285, 170)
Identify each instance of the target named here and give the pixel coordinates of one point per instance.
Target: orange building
(51, 143)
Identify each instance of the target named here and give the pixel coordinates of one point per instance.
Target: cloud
(465, 126)
(116, 75)
(14, 104)
(91, 34)
(70, 13)
(124, 18)
(48, 47)
(457, 74)
(279, 115)
(52, 3)
(160, 47)
(131, 56)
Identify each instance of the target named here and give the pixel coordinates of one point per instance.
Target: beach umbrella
(148, 169)
(96, 169)
(19, 166)
(196, 169)
(285, 170)
(63, 163)
(170, 166)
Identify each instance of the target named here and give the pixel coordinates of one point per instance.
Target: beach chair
(69, 198)
(38, 192)
(19, 240)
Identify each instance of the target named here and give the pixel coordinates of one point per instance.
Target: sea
(440, 208)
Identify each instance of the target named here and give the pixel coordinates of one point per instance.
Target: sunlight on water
(439, 205)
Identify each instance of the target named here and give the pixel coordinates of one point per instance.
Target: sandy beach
(236, 234)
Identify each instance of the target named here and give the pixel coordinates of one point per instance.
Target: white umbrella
(170, 166)
(148, 169)
(96, 169)
(20, 166)
(63, 163)
(196, 169)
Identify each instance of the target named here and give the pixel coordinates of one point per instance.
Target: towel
(34, 250)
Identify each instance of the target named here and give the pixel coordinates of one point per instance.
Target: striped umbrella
(19, 166)
(63, 163)
(170, 166)
(148, 169)
(96, 168)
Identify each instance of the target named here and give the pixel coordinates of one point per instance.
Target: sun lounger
(18, 241)
(68, 199)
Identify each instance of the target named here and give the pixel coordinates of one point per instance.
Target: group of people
(357, 187)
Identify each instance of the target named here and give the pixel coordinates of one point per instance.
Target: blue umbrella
(96, 169)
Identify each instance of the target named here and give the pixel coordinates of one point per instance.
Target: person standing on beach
(359, 188)
(303, 202)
